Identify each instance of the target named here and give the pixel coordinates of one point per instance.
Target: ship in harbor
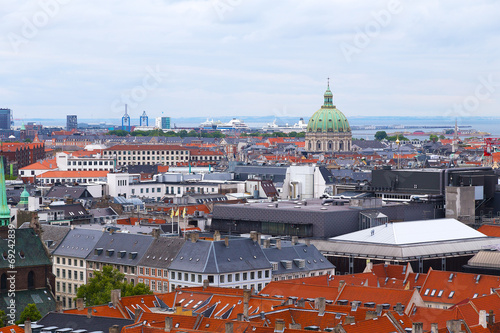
(274, 127)
(232, 125)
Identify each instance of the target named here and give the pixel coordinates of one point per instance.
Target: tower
(4, 209)
(328, 129)
(143, 121)
(454, 146)
(71, 122)
(126, 121)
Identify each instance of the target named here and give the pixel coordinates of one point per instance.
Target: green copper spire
(328, 96)
(4, 209)
(23, 202)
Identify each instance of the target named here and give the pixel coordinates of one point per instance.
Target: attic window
(475, 295)
(426, 292)
(433, 292)
(440, 293)
(451, 294)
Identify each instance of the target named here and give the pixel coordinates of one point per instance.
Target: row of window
(122, 268)
(73, 262)
(223, 278)
(90, 163)
(69, 180)
(73, 276)
(71, 287)
(148, 158)
(152, 272)
(439, 294)
(149, 152)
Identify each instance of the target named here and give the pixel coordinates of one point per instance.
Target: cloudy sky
(213, 58)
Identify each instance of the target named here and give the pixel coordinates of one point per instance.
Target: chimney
(206, 283)
(491, 318)
(278, 244)
(267, 243)
(279, 325)
(79, 304)
(308, 242)
(295, 240)
(341, 284)
(194, 237)
(320, 304)
(294, 326)
(482, 318)
(349, 320)
(434, 328)
(379, 309)
(399, 307)
(137, 313)
(59, 306)
(27, 326)
(229, 327)
(116, 295)
(89, 313)
(369, 266)
(301, 303)
(239, 317)
(168, 324)
(216, 235)
(454, 326)
(370, 315)
(417, 328)
(253, 235)
(246, 299)
(226, 241)
(156, 233)
(114, 329)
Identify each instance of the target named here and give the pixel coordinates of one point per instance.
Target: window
(440, 293)
(58, 286)
(192, 278)
(221, 278)
(259, 274)
(58, 260)
(81, 276)
(57, 272)
(153, 284)
(451, 294)
(199, 278)
(267, 274)
(64, 261)
(141, 271)
(179, 276)
(172, 275)
(210, 279)
(64, 273)
(69, 261)
(81, 263)
(433, 292)
(426, 292)
(252, 275)
(186, 277)
(237, 277)
(245, 276)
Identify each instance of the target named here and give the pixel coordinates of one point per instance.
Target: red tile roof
(74, 174)
(490, 230)
(147, 147)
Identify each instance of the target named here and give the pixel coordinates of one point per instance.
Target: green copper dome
(328, 118)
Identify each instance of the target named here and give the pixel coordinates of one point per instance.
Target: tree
(98, 289)
(31, 313)
(3, 318)
(380, 135)
(442, 137)
(396, 137)
(433, 137)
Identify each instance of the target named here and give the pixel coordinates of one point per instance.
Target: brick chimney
(89, 313)
(206, 283)
(226, 241)
(116, 295)
(417, 328)
(194, 237)
(79, 304)
(349, 320)
(491, 318)
(295, 240)
(278, 244)
(320, 304)
(240, 317)
(168, 324)
(229, 327)
(341, 284)
(370, 315)
(399, 307)
(246, 299)
(279, 325)
(155, 233)
(294, 326)
(27, 326)
(267, 243)
(301, 303)
(216, 235)
(137, 313)
(59, 306)
(454, 326)
(434, 328)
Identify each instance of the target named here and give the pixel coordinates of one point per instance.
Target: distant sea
(482, 124)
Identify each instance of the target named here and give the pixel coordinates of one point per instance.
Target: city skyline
(222, 58)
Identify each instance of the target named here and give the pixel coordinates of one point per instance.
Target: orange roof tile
(74, 174)
(490, 230)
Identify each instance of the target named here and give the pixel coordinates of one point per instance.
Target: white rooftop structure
(411, 232)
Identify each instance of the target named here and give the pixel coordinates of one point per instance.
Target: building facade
(147, 154)
(71, 122)
(5, 119)
(328, 129)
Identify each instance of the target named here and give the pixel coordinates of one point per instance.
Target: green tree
(118, 132)
(31, 313)
(380, 135)
(442, 137)
(3, 318)
(396, 137)
(97, 291)
(433, 137)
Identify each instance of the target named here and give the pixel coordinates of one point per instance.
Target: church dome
(328, 118)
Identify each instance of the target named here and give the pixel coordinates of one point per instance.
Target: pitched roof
(78, 243)
(74, 174)
(161, 251)
(411, 232)
(133, 246)
(75, 321)
(490, 230)
(29, 250)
